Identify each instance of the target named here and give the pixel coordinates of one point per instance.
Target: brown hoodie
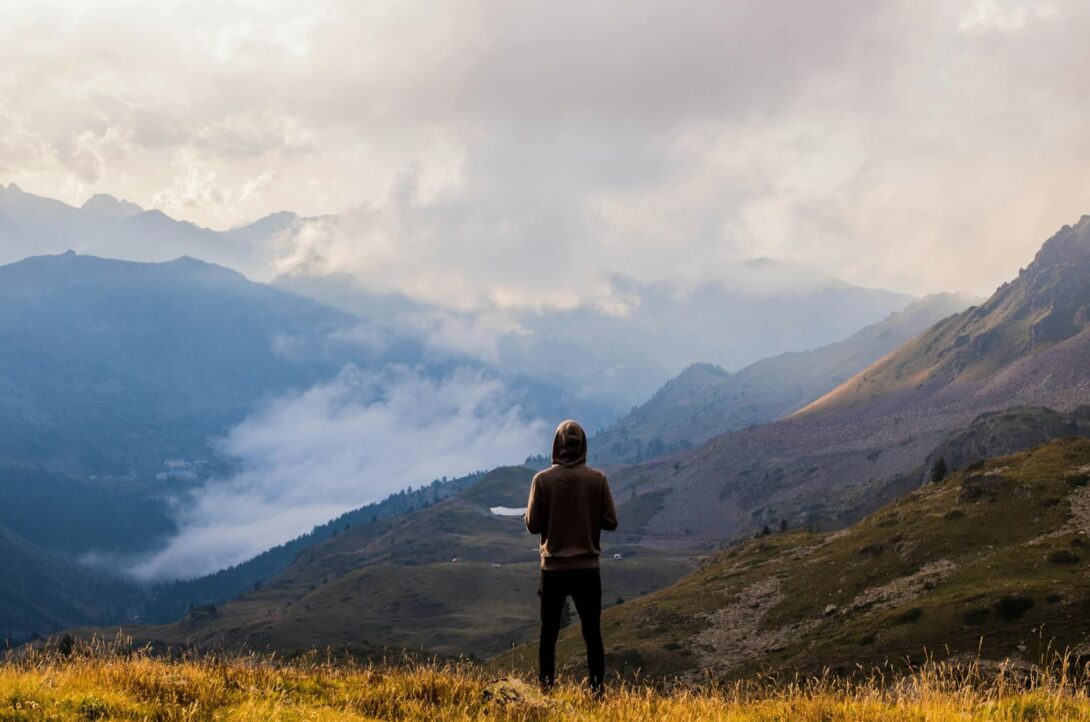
(570, 504)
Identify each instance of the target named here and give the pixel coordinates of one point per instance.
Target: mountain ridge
(882, 429)
(705, 401)
(1047, 304)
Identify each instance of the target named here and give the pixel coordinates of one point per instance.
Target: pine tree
(938, 470)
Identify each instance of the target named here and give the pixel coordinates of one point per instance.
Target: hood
(569, 444)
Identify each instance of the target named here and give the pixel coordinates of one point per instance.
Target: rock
(514, 692)
(830, 610)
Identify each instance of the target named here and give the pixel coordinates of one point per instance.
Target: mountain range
(112, 366)
(654, 330)
(32, 225)
(778, 445)
(630, 340)
(706, 401)
(1026, 345)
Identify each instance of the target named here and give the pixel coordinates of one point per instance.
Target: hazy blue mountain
(153, 236)
(32, 225)
(626, 346)
(705, 401)
(612, 359)
(42, 593)
(111, 366)
(70, 515)
(105, 205)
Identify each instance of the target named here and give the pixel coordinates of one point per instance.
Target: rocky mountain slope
(991, 561)
(998, 433)
(1027, 345)
(1025, 341)
(705, 401)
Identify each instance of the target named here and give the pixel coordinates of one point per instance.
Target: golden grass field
(98, 682)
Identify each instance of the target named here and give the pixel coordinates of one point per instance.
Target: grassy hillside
(89, 686)
(992, 561)
(451, 578)
(167, 602)
(704, 400)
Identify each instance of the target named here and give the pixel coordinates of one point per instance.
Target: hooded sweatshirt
(570, 504)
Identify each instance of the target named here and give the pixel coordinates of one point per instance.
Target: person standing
(570, 504)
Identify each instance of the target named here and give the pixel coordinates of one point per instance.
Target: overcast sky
(912, 145)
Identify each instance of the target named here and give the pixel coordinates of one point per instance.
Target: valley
(452, 578)
(778, 450)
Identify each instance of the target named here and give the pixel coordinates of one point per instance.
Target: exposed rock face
(998, 433)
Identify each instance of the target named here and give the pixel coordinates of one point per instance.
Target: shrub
(1012, 607)
(909, 616)
(938, 470)
(1063, 556)
(977, 615)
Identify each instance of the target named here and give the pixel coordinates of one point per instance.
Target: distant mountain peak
(279, 215)
(702, 368)
(105, 205)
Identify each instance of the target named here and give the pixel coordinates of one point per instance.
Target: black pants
(584, 586)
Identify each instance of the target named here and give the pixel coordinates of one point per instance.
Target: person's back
(570, 504)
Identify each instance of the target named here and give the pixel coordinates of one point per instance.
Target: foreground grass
(99, 682)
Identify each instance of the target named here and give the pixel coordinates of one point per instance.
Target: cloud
(307, 458)
(490, 154)
(991, 15)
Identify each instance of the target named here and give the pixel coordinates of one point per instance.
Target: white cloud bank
(307, 458)
(514, 153)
